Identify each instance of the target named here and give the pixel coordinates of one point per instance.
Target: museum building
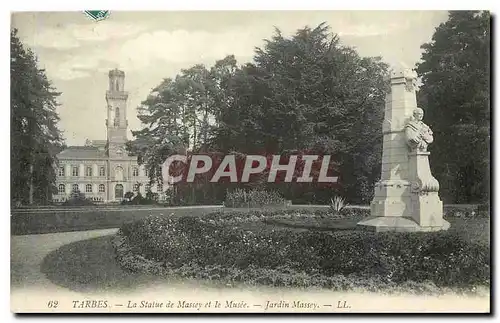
(102, 169)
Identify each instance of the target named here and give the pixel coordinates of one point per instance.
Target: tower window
(117, 117)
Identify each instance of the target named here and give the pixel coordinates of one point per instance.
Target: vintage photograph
(250, 162)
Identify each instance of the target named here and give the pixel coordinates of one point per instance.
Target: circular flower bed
(241, 247)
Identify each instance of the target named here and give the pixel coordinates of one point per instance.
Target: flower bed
(221, 247)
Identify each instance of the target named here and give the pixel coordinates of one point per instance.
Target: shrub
(337, 204)
(168, 244)
(153, 197)
(78, 199)
(354, 213)
(138, 200)
(129, 195)
(253, 198)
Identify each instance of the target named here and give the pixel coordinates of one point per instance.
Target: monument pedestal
(427, 208)
(406, 198)
(408, 206)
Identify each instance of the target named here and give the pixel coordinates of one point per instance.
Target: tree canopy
(455, 71)
(307, 92)
(35, 137)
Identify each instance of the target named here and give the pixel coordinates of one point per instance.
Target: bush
(78, 199)
(169, 244)
(337, 204)
(254, 198)
(128, 196)
(139, 200)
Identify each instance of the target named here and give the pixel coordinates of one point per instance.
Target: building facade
(102, 169)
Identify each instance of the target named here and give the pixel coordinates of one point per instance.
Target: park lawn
(473, 229)
(315, 223)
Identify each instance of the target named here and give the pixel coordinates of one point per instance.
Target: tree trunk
(31, 183)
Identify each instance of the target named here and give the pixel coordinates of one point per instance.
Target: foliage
(465, 213)
(303, 93)
(283, 276)
(455, 95)
(128, 196)
(78, 199)
(35, 137)
(253, 198)
(138, 199)
(446, 259)
(337, 204)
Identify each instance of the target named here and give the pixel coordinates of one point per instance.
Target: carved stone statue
(406, 199)
(418, 134)
(418, 137)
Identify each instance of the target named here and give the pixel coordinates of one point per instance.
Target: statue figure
(418, 137)
(418, 134)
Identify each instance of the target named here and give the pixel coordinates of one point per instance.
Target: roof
(86, 152)
(99, 143)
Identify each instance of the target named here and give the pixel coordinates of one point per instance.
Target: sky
(77, 52)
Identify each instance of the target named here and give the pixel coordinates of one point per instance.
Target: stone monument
(406, 197)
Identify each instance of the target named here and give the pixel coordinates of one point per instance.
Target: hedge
(177, 245)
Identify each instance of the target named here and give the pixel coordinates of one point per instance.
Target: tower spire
(116, 124)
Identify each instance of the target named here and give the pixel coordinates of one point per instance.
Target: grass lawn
(316, 223)
(474, 229)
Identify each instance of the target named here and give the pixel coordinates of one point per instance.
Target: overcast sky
(77, 52)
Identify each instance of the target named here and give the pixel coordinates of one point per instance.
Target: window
(119, 191)
(88, 171)
(136, 187)
(135, 171)
(117, 117)
(75, 171)
(159, 187)
(102, 171)
(75, 188)
(61, 189)
(147, 187)
(118, 173)
(146, 172)
(61, 171)
(88, 188)
(102, 188)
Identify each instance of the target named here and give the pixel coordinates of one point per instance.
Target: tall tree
(303, 93)
(310, 93)
(455, 71)
(35, 137)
